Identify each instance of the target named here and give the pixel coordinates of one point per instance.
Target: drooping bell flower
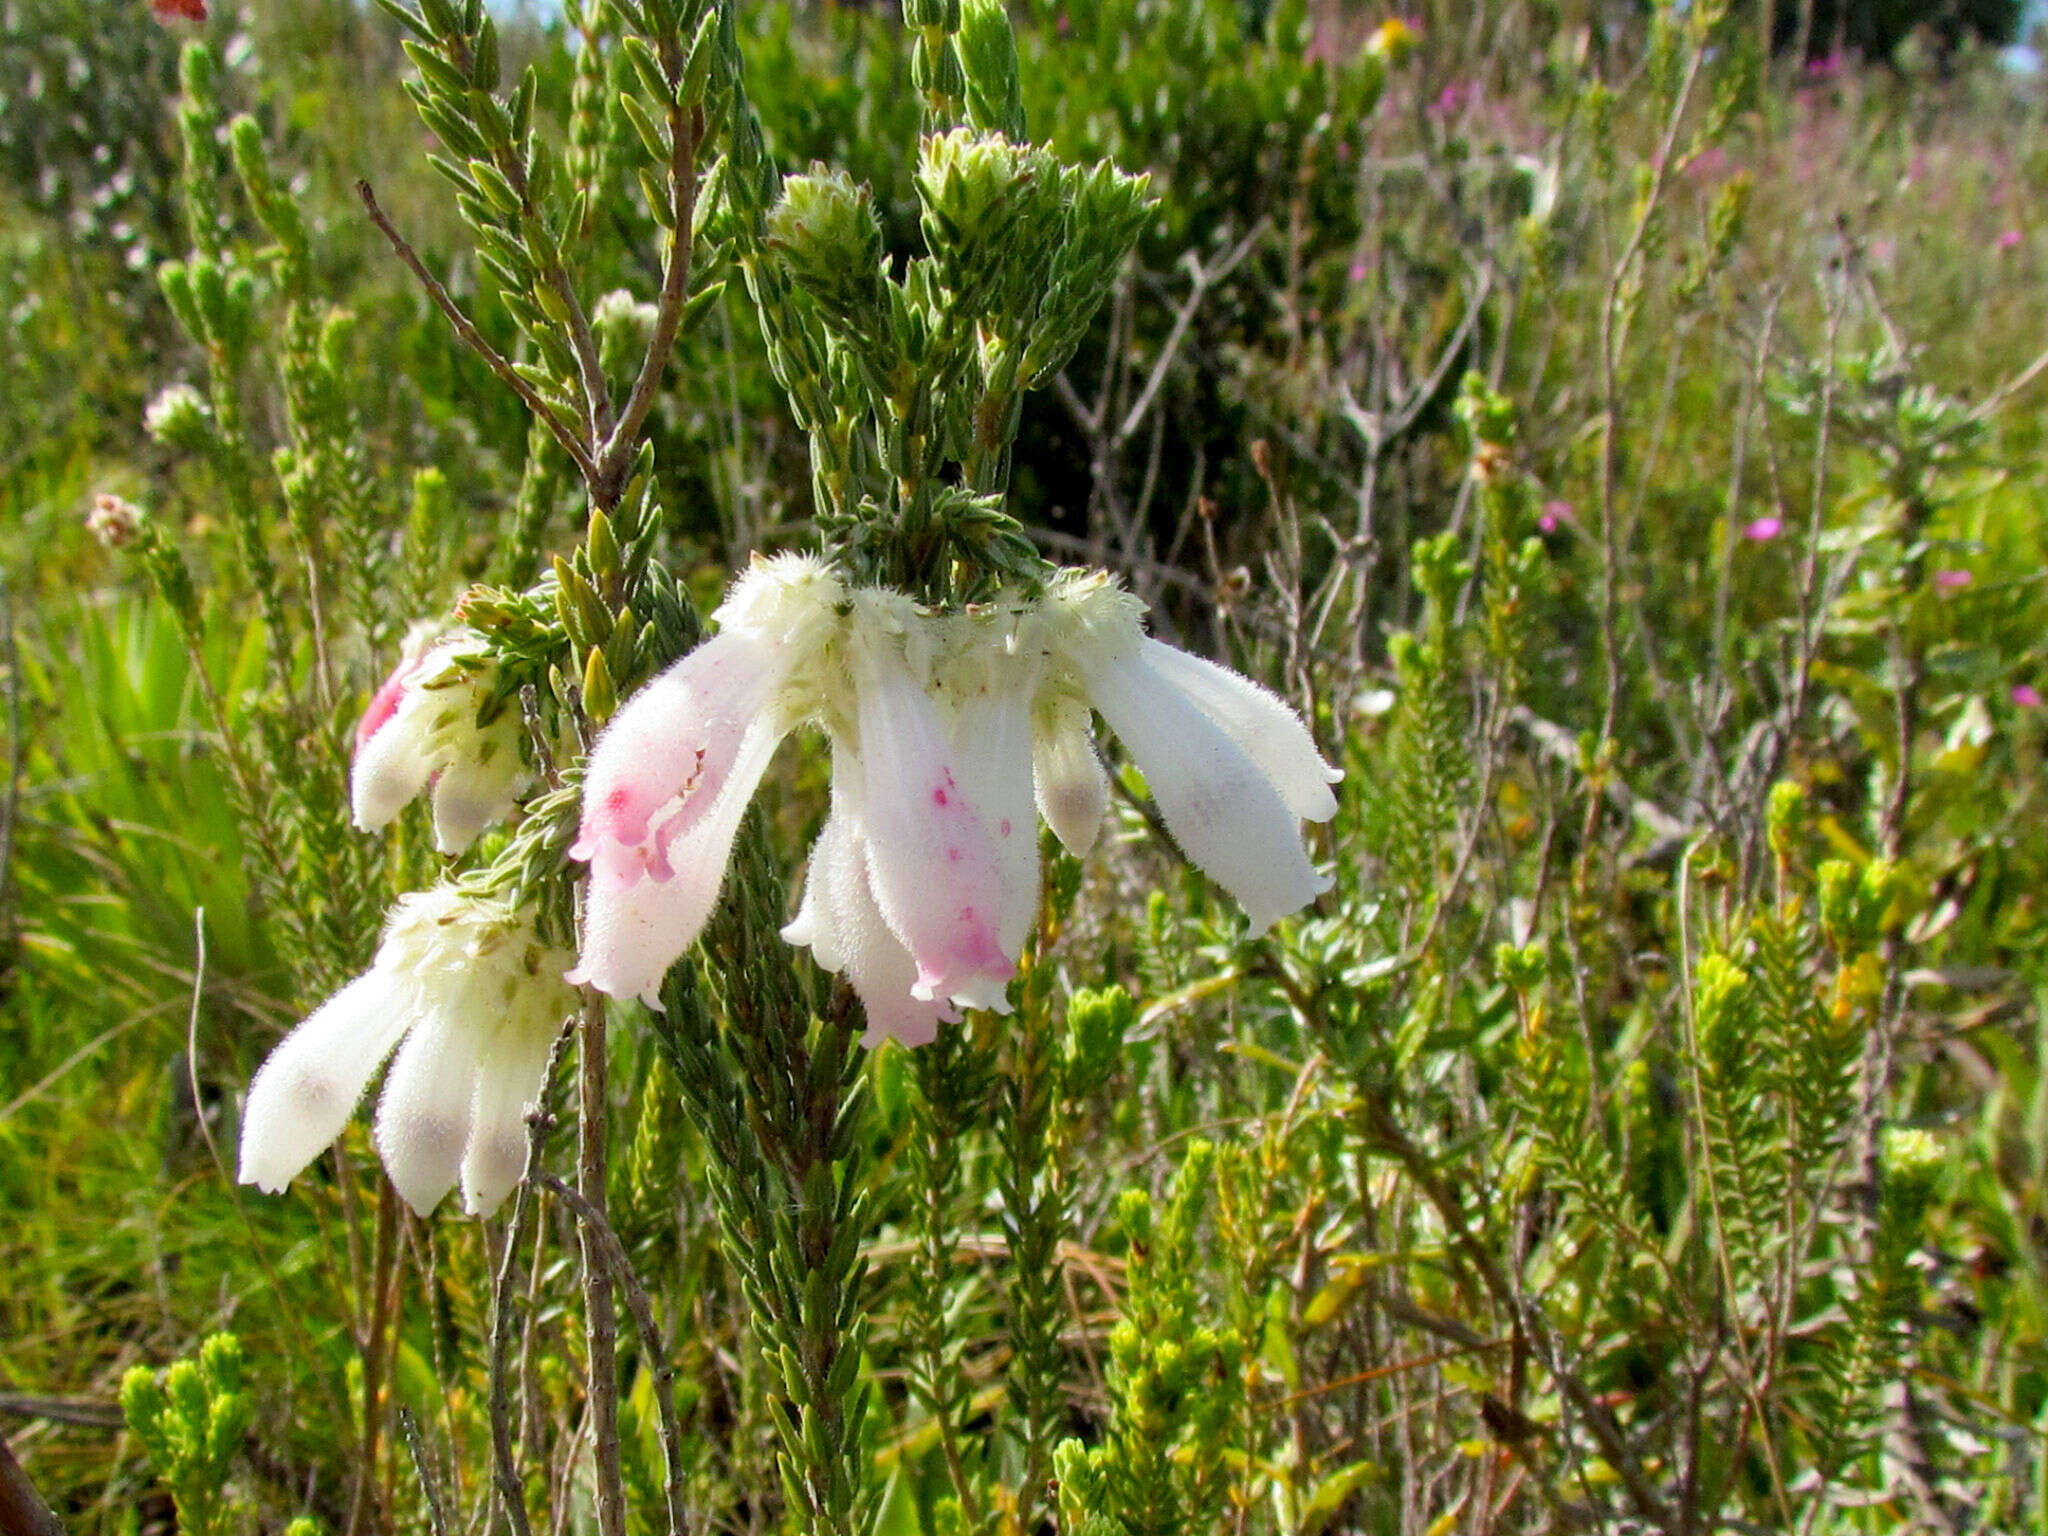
(951, 734)
(434, 725)
(930, 827)
(670, 778)
(1233, 769)
(842, 925)
(476, 997)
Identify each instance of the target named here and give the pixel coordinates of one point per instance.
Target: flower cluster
(477, 999)
(950, 733)
(422, 731)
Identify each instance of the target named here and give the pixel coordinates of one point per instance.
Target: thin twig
(600, 1321)
(82, 1411)
(607, 479)
(475, 340)
(612, 1253)
(505, 1465)
(10, 803)
(375, 1351)
(437, 1521)
(1204, 278)
(1388, 1134)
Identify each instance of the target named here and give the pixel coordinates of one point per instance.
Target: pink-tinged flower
(1556, 514)
(1825, 68)
(842, 925)
(1762, 530)
(931, 848)
(473, 992)
(1952, 580)
(1360, 271)
(2026, 696)
(671, 777)
(951, 734)
(2009, 240)
(436, 723)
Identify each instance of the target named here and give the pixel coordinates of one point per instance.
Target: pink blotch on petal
(384, 702)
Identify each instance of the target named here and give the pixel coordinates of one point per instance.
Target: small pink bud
(2026, 696)
(1764, 529)
(1952, 581)
(2009, 240)
(1555, 514)
(1360, 271)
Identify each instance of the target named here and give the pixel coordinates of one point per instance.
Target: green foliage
(1648, 1130)
(1173, 1379)
(191, 1421)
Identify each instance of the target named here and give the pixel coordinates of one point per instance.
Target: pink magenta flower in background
(1762, 530)
(2026, 696)
(2009, 240)
(951, 734)
(1555, 514)
(477, 999)
(421, 733)
(1952, 580)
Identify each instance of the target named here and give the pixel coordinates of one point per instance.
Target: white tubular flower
(1068, 780)
(421, 730)
(951, 734)
(1233, 769)
(474, 994)
(931, 853)
(671, 777)
(845, 931)
(991, 739)
(649, 900)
